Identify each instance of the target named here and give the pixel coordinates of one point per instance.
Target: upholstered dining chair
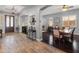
(56, 35)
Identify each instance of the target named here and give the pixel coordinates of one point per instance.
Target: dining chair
(56, 36)
(63, 28)
(70, 37)
(50, 29)
(56, 27)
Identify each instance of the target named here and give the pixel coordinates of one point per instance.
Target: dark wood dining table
(62, 32)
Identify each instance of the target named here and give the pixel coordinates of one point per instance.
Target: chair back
(50, 29)
(56, 33)
(56, 27)
(72, 33)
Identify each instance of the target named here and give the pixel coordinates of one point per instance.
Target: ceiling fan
(66, 7)
(14, 10)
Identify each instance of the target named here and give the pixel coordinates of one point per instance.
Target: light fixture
(65, 7)
(13, 10)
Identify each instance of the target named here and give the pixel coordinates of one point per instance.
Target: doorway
(9, 23)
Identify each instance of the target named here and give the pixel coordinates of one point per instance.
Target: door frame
(13, 22)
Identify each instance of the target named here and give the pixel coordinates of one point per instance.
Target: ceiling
(14, 8)
(19, 8)
(57, 8)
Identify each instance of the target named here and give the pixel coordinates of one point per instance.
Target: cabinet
(45, 36)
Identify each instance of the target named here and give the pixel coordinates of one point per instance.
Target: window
(11, 21)
(7, 21)
(72, 20)
(69, 21)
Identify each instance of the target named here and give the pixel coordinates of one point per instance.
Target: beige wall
(0, 22)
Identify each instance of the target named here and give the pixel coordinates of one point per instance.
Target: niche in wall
(32, 20)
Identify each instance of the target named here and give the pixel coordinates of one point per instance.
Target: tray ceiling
(14, 8)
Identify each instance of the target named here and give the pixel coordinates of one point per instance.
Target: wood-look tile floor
(19, 43)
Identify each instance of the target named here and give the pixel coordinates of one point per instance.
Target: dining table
(64, 32)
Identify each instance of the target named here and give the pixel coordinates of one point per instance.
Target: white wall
(43, 16)
(58, 16)
(52, 10)
(24, 20)
(34, 11)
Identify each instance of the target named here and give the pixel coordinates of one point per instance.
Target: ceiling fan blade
(71, 6)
